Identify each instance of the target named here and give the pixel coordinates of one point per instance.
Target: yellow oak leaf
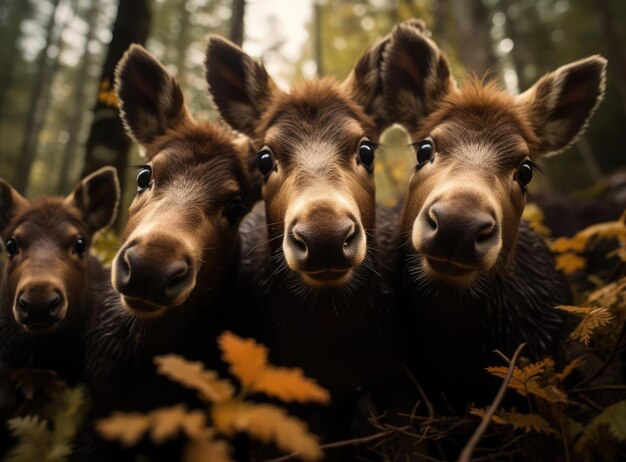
(290, 385)
(192, 374)
(165, 423)
(268, 424)
(569, 262)
(247, 358)
(207, 449)
(127, 428)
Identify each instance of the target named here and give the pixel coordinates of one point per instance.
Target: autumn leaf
(578, 242)
(127, 428)
(526, 422)
(247, 358)
(528, 380)
(163, 424)
(207, 449)
(594, 318)
(534, 216)
(248, 362)
(570, 367)
(267, 423)
(290, 385)
(569, 262)
(167, 422)
(192, 374)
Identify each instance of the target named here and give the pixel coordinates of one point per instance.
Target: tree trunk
(614, 46)
(9, 52)
(33, 117)
(78, 105)
(237, 21)
(475, 46)
(107, 143)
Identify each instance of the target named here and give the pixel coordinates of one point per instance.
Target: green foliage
(611, 422)
(49, 441)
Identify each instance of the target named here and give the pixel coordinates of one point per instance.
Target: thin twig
(606, 363)
(599, 388)
(429, 405)
(345, 443)
(466, 454)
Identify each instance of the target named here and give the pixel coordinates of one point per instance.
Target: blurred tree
(74, 123)
(614, 48)
(237, 21)
(36, 113)
(107, 143)
(16, 11)
(475, 46)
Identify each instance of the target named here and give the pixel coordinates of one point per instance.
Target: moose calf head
(315, 148)
(476, 150)
(183, 222)
(47, 241)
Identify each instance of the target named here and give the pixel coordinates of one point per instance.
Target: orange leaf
(192, 374)
(268, 424)
(166, 423)
(207, 450)
(247, 358)
(128, 429)
(569, 262)
(290, 385)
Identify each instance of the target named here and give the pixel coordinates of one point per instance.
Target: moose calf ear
(10, 202)
(416, 75)
(151, 101)
(97, 197)
(240, 86)
(561, 103)
(364, 83)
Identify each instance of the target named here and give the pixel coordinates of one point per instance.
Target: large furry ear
(10, 202)
(240, 86)
(97, 197)
(151, 102)
(364, 83)
(561, 103)
(416, 75)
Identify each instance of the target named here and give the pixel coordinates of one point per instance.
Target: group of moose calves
(328, 280)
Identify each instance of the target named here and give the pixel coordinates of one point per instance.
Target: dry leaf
(248, 361)
(166, 423)
(534, 216)
(578, 242)
(247, 358)
(569, 262)
(526, 422)
(268, 424)
(528, 380)
(207, 449)
(594, 318)
(127, 428)
(192, 374)
(570, 367)
(290, 385)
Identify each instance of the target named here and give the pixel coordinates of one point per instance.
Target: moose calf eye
(366, 152)
(12, 246)
(425, 151)
(144, 179)
(265, 161)
(524, 173)
(80, 246)
(234, 210)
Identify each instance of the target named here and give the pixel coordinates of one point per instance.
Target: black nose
(324, 245)
(40, 306)
(455, 231)
(153, 272)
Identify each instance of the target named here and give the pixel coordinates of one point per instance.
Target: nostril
(486, 232)
(431, 218)
(297, 240)
(54, 301)
(351, 236)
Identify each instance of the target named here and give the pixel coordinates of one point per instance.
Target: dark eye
(425, 151)
(265, 160)
(80, 246)
(234, 210)
(366, 152)
(12, 247)
(144, 179)
(524, 173)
